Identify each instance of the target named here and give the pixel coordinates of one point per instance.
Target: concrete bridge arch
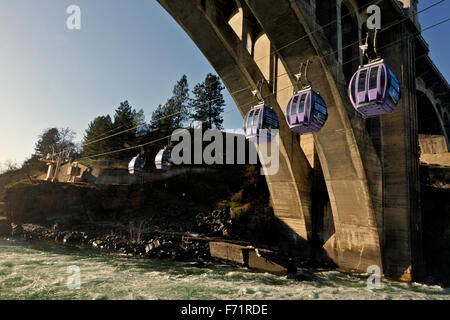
(210, 30)
(369, 167)
(431, 111)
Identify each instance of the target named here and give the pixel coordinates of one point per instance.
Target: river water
(39, 270)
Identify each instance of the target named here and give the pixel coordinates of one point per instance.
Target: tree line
(128, 127)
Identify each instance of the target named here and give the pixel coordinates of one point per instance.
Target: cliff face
(186, 202)
(45, 202)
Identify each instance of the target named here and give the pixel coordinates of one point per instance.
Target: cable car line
(286, 73)
(390, 26)
(164, 117)
(406, 37)
(303, 37)
(234, 109)
(140, 145)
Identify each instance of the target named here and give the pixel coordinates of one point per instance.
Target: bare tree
(55, 140)
(11, 165)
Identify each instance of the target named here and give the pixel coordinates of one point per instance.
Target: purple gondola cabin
(306, 112)
(258, 118)
(374, 89)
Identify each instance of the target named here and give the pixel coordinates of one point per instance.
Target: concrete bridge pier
(340, 147)
(402, 226)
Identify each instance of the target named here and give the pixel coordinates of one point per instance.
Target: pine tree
(161, 122)
(208, 102)
(97, 129)
(126, 118)
(178, 105)
(120, 133)
(173, 114)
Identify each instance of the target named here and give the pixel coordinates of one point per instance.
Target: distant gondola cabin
(136, 166)
(163, 159)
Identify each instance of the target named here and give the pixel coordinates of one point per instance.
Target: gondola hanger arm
(370, 51)
(258, 91)
(306, 73)
(298, 76)
(303, 73)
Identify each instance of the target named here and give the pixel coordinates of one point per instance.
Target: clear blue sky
(54, 77)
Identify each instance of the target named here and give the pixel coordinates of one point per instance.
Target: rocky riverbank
(153, 238)
(174, 219)
(169, 238)
(153, 244)
(149, 241)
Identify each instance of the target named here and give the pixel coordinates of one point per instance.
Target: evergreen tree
(208, 102)
(122, 132)
(96, 130)
(173, 114)
(162, 123)
(178, 105)
(126, 118)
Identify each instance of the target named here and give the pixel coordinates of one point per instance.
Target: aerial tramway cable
(243, 89)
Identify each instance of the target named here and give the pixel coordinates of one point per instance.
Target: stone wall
(432, 144)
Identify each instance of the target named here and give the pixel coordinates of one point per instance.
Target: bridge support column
(355, 244)
(402, 249)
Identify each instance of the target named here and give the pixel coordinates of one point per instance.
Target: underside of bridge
(349, 193)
